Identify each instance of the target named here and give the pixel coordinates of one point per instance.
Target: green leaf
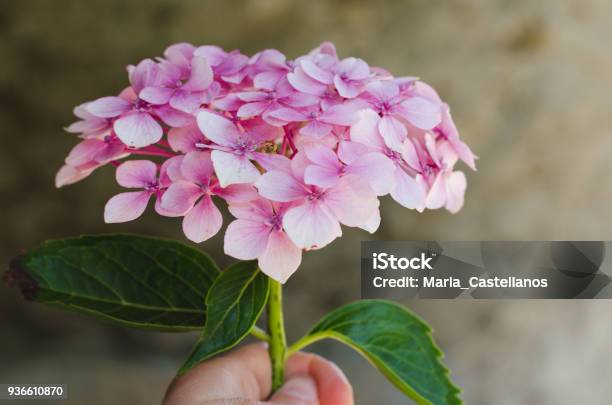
(235, 302)
(396, 342)
(133, 280)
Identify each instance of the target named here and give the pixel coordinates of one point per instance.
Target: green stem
(260, 334)
(276, 330)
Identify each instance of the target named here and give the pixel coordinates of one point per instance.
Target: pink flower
(258, 233)
(135, 120)
(191, 193)
(318, 123)
(234, 148)
(128, 206)
(447, 187)
(186, 96)
(227, 66)
(268, 68)
(314, 219)
(328, 167)
(408, 187)
(87, 156)
(385, 99)
(89, 125)
(262, 102)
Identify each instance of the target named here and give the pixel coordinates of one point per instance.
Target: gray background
(530, 85)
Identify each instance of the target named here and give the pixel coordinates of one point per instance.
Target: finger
(332, 385)
(244, 373)
(297, 390)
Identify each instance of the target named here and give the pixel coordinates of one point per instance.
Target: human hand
(243, 377)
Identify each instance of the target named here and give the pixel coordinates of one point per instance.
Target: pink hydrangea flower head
(296, 148)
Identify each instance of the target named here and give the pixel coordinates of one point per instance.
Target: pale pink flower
(187, 95)
(234, 148)
(447, 186)
(135, 120)
(393, 108)
(262, 102)
(314, 219)
(87, 156)
(191, 193)
(258, 233)
(229, 67)
(408, 188)
(89, 125)
(328, 167)
(318, 123)
(268, 67)
(138, 174)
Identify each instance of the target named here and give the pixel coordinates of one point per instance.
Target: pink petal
(184, 139)
(233, 169)
(372, 224)
(322, 156)
(197, 167)
(393, 132)
(280, 186)
(171, 170)
(310, 225)
(355, 68)
(203, 221)
(237, 193)
(346, 88)
(302, 82)
(281, 258)
(258, 210)
(273, 162)
(218, 129)
(365, 130)
(377, 169)
(421, 113)
(316, 129)
(180, 197)
(108, 107)
(69, 175)
(245, 240)
(156, 95)
(252, 109)
(126, 207)
(173, 117)
(409, 191)
(352, 201)
(201, 75)
(315, 72)
(382, 90)
(84, 152)
(187, 101)
(252, 96)
(410, 156)
(288, 114)
(349, 152)
(343, 114)
(455, 191)
(267, 80)
(436, 197)
(321, 176)
(138, 130)
(136, 174)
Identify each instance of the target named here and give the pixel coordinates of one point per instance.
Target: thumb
(298, 390)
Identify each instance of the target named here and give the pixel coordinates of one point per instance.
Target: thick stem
(276, 330)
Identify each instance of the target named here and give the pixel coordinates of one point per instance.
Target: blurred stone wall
(530, 84)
